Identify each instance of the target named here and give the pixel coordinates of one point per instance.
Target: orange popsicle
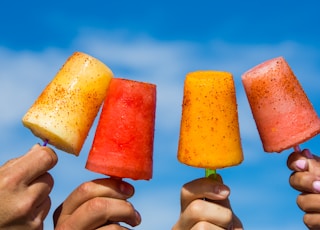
(209, 130)
(283, 114)
(123, 142)
(64, 112)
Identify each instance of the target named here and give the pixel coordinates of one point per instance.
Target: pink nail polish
(316, 186)
(301, 164)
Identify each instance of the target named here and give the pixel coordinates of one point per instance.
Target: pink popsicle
(282, 111)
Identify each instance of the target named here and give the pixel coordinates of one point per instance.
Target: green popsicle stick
(210, 172)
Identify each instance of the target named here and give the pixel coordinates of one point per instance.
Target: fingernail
(301, 164)
(138, 217)
(126, 189)
(316, 186)
(35, 146)
(220, 190)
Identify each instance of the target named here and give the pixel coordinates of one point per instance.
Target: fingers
(302, 161)
(25, 186)
(205, 205)
(205, 225)
(97, 188)
(309, 202)
(311, 220)
(100, 201)
(203, 188)
(35, 163)
(40, 188)
(113, 227)
(213, 213)
(302, 181)
(306, 176)
(298, 161)
(100, 210)
(42, 210)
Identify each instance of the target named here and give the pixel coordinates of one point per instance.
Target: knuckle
(195, 207)
(23, 208)
(96, 205)
(7, 180)
(85, 188)
(10, 175)
(36, 224)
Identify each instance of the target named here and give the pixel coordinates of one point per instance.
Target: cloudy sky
(160, 43)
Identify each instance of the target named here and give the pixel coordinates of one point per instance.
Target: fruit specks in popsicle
(123, 142)
(65, 110)
(280, 107)
(205, 119)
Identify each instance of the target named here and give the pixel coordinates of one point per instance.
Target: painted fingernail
(316, 186)
(301, 164)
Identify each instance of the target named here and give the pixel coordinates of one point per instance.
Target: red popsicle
(123, 142)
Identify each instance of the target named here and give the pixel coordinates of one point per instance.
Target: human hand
(205, 205)
(306, 179)
(25, 185)
(98, 204)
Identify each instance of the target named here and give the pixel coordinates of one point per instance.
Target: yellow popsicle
(209, 131)
(64, 112)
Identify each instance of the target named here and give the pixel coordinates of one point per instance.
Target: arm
(97, 203)
(25, 185)
(306, 179)
(205, 205)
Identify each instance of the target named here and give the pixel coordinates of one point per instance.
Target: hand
(25, 185)
(205, 205)
(306, 179)
(98, 204)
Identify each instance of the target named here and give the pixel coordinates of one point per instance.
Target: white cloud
(23, 75)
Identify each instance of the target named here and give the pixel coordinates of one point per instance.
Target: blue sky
(160, 43)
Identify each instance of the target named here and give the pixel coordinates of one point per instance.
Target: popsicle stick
(298, 149)
(210, 172)
(45, 143)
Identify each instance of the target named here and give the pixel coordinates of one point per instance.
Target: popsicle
(283, 114)
(64, 112)
(209, 129)
(123, 143)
